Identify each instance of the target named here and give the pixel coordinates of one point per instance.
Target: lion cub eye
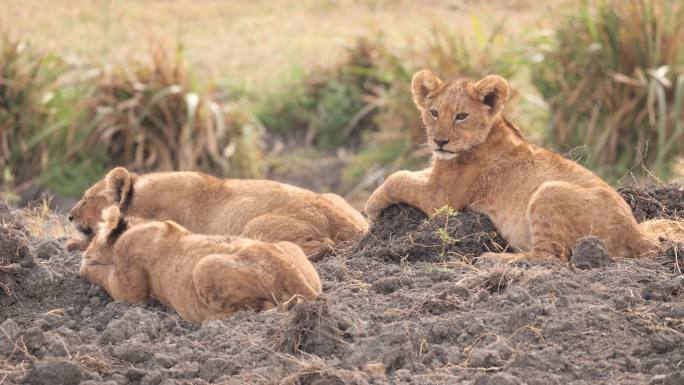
(434, 113)
(461, 116)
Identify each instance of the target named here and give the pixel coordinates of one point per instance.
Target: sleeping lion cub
(202, 277)
(539, 201)
(259, 209)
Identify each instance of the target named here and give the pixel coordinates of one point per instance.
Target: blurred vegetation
(613, 76)
(63, 127)
(28, 82)
(326, 108)
(149, 116)
(365, 103)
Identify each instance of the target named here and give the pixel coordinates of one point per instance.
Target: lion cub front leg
(413, 188)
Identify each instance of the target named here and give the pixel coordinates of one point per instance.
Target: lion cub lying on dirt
(202, 277)
(259, 209)
(539, 201)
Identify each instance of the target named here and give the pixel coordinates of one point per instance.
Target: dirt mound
(316, 329)
(318, 373)
(590, 252)
(7, 217)
(14, 247)
(415, 312)
(655, 202)
(14, 255)
(404, 233)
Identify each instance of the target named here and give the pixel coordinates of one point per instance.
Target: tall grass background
(28, 81)
(605, 83)
(613, 76)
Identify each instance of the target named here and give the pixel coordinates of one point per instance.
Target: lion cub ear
(491, 90)
(423, 83)
(113, 224)
(118, 185)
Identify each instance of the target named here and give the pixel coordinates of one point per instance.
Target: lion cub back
(259, 209)
(256, 277)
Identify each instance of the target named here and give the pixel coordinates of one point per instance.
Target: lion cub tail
(666, 228)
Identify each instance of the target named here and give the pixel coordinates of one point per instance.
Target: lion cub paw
(374, 207)
(76, 244)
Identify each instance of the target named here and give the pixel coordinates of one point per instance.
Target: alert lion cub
(259, 209)
(201, 277)
(539, 201)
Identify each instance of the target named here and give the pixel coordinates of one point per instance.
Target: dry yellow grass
(254, 41)
(43, 222)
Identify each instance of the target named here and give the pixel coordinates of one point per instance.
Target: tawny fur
(202, 277)
(539, 201)
(260, 209)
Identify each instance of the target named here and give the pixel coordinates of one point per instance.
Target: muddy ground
(410, 304)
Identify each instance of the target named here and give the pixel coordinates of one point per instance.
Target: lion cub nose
(440, 142)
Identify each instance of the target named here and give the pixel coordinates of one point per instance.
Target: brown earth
(654, 202)
(410, 304)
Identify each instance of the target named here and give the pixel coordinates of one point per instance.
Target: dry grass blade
(148, 117)
(316, 371)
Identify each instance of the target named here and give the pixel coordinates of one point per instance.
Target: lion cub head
(99, 256)
(115, 189)
(114, 237)
(458, 114)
